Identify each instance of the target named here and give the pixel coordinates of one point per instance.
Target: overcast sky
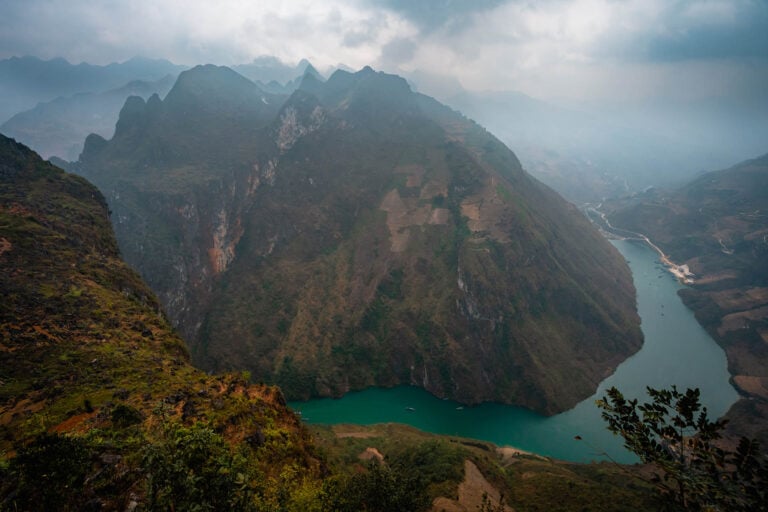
(591, 50)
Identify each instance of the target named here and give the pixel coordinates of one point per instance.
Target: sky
(573, 50)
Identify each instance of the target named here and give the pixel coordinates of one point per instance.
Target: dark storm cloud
(432, 14)
(698, 30)
(746, 35)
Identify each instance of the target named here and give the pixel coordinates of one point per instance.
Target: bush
(193, 469)
(48, 474)
(379, 489)
(674, 433)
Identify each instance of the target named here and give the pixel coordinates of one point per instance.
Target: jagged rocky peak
(132, 116)
(210, 79)
(214, 87)
(94, 144)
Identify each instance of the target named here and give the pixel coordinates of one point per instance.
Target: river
(677, 350)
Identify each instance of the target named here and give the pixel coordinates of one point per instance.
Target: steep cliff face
(86, 353)
(359, 234)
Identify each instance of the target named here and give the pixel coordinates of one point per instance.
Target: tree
(380, 488)
(695, 471)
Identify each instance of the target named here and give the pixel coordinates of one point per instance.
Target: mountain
(356, 233)
(266, 69)
(718, 225)
(26, 81)
(95, 386)
(59, 127)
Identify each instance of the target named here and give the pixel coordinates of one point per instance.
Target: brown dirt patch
(738, 299)
(736, 321)
(510, 453)
(342, 432)
(402, 214)
(757, 386)
(471, 492)
(371, 453)
(433, 189)
(5, 245)
(415, 174)
(439, 216)
(71, 424)
(715, 277)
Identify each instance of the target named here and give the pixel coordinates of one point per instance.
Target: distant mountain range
(27, 81)
(586, 153)
(356, 233)
(59, 127)
(718, 225)
(71, 104)
(272, 75)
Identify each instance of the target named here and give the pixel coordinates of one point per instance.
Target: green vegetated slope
(356, 234)
(462, 475)
(718, 226)
(98, 400)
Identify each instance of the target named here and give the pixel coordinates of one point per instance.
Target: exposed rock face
(358, 234)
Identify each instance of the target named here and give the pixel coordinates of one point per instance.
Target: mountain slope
(718, 225)
(359, 234)
(87, 361)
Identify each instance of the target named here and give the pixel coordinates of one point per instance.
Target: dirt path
(471, 492)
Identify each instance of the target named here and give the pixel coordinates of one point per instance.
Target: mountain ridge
(360, 234)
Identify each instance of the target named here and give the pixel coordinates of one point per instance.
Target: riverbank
(677, 351)
(681, 272)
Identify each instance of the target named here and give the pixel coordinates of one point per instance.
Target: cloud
(224, 32)
(713, 30)
(578, 49)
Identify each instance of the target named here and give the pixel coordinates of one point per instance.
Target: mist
(596, 97)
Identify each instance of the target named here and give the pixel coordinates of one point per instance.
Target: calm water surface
(677, 350)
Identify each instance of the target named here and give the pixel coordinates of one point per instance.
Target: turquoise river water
(677, 350)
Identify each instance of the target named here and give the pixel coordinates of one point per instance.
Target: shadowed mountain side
(357, 234)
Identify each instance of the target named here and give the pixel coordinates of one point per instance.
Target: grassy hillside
(91, 374)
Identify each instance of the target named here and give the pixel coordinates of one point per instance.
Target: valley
(715, 226)
(379, 256)
(100, 403)
(677, 351)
